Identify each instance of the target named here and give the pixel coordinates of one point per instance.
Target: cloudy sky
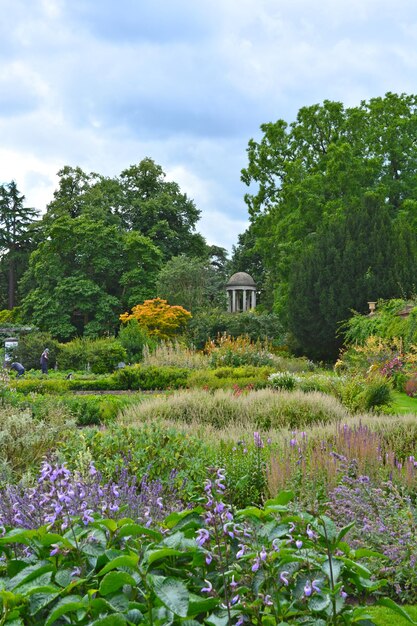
(104, 83)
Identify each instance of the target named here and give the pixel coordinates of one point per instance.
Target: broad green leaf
(29, 573)
(356, 567)
(319, 603)
(135, 616)
(198, 604)
(49, 538)
(390, 604)
(116, 619)
(63, 577)
(172, 593)
(336, 568)
(327, 528)
(17, 535)
(218, 619)
(39, 601)
(119, 602)
(126, 560)
(113, 581)
(65, 606)
(135, 530)
(110, 524)
(174, 518)
(281, 499)
(155, 555)
(343, 531)
(43, 579)
(364, 552)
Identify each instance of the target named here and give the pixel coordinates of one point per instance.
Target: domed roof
(241, 279)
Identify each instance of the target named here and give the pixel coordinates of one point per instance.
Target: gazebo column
(244, 300)
(234, 301)
(253, 299)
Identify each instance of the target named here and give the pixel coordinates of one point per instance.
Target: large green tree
(16, 231)
(84, 273)
(308, 173)
(347, 263)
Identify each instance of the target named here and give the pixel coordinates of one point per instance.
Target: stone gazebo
(241, 293)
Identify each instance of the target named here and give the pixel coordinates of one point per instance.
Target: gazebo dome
(241, 279)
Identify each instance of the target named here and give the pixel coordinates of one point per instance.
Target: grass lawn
(402, 403)
(386, 617)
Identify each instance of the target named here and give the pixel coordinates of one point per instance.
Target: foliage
(193, 283)
(10, 316)
(160, 453)
(348, 262)
(134, 339)
(283, 380)
(101, 356)
(77, 283)
(25, 440)
(234, 352)
(139, 377)
(16, 232)
(246, 377)
(85, 410)
(384, 521)
(359, 393)
(159, 318)
(30, 347)
(206, 326)
(175, 354)
(209, 566)
(256, 410)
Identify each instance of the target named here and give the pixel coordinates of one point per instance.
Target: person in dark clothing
(18, 367)
(44, 361)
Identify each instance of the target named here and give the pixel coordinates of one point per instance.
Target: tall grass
(174, 354)
(263, 409)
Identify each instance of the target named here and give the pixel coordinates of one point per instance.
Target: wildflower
(240, 552)
(257, 440)
(283, 577)
(263, 554)
(209, 558)
(315, 586)
(299, 544)
(207, 589)
(310, 533)
(308, 589)
(55, 549)
(203, 536)
(256, 564)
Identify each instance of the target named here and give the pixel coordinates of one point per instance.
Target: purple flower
(55, 549)
(308, 589)
(299, 544)
(240, 552)
(203, 536)
(283, 577)
(256, 564)
(258, 440)
(315, 586)
(263, 554)
(207, 589)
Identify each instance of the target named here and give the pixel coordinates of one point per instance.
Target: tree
(349, 262)
(159, 318)
(16, 222)
(191, 282)
(83, 274)
(158, 209)
(310, 172)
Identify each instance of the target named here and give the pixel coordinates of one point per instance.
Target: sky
(102, 84)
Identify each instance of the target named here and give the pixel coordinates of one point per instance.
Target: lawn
(402, 403)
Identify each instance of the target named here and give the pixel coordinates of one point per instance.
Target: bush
(31, 346)
(283, 380)
(147, 378)
(175, 354)
(85, 410)
(100, 355)
(257, 410)
(40, 385)
(364, 394)
(134, 339)
(229, 377)
(228, 351)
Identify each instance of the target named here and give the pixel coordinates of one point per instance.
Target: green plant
(100, 355)
(30, 347)
(234, 352)
(140, 377)
(134, 340)
(283, 380)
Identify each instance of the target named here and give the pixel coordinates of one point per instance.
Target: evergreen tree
(349, 262)
(16, 222)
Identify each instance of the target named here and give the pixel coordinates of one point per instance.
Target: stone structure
(241, 293)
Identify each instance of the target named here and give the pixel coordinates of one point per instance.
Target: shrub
(139, 377)
(160, 319)
(410, 387)
(229, 377)
(134, 339)
(364, 394)
(31, 346)
(99, 355)
(228, 351)
(264, 409)
(40, 385)
(175, 354)
(283, 380)
(25, 440)
(85, 410)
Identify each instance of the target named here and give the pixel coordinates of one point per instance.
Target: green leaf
(63, 577)
(65, 606)
(134, 530)
(356, 567)
(113, 581)
(364, 552)
(336, 568)
(218, 619)
(116, 619)
(17, 535)
(281, 499)
(343, 531)
(198, 604)
(107, 523)
(319, 603)
(39, 601)
(172, 593)
(30, 573)
(43, 579)
(155, 555)
(125, 560)
(135, 616)
(175, 518)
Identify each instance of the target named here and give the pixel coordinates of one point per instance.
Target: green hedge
(147, 378)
